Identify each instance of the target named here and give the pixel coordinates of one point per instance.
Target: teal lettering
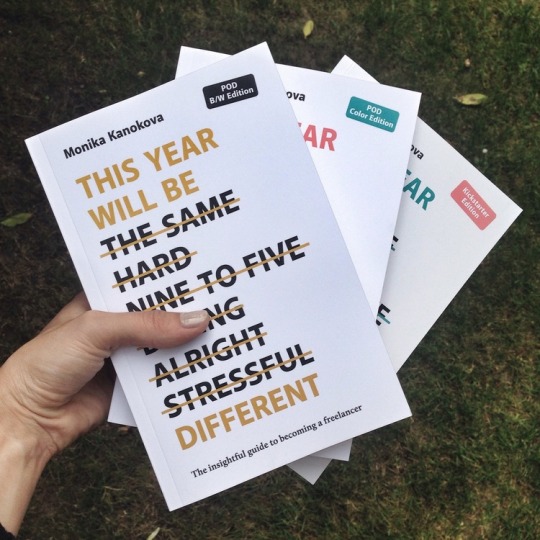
(426, 195)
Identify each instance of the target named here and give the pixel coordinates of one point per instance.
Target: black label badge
(227, 92)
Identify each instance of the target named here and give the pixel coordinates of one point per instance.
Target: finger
(77, 306)
(159, 329)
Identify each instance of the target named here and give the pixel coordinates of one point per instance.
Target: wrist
(24, 452)
(19, 426)
(21, 463)
(17, 440)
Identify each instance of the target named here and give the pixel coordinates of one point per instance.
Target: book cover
(360, 163)
(201, 194)
(361, 170)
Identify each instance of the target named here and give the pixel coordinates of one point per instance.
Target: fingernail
(191, 319)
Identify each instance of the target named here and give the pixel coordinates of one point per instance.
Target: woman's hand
(59, 386)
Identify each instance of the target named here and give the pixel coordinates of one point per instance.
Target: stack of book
(273, 197)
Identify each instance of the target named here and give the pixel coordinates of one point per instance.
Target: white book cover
(361, 168)
(450, 218)
(201, 194)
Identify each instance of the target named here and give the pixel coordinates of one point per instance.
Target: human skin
(58, 386)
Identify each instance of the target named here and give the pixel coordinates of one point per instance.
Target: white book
(360, 163)
(201, 194)
(451, 216)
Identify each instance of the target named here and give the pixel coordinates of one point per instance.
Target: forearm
(21, 464)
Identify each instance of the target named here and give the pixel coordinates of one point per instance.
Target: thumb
(159, 329)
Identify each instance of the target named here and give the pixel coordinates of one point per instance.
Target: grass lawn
(467, 464)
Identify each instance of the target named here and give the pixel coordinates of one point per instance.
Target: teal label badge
(372, 114)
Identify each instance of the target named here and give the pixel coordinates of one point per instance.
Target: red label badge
(473, 205)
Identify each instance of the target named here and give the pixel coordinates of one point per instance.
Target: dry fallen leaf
(154, 534)
(471, 100)
(308, 28)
